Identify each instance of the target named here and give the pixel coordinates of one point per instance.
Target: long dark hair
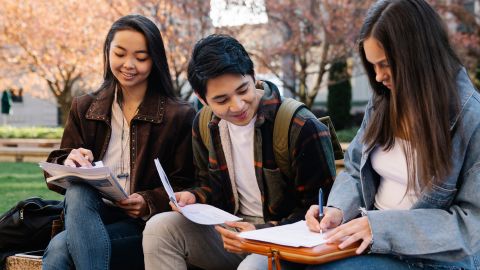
(159, 78)
(424, 68)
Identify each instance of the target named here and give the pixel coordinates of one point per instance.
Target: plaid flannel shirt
(284, 200)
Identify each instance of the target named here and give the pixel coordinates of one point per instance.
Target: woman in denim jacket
(410, 192)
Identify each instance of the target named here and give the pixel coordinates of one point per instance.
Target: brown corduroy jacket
(161, 128)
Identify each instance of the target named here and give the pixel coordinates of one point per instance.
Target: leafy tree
(466, 34)
(52, 45)
(303, 38)
(181, 22)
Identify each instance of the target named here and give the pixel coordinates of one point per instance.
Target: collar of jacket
(152, 108)
(465, 91)
(268, 106)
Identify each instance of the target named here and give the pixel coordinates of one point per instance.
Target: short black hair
(214, 56)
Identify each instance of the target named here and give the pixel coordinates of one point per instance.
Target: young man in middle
(237, 171)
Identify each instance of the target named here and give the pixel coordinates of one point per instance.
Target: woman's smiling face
(129, 59)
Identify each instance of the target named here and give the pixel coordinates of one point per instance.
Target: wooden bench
(21, 263)
(33, 150)
(339, 164)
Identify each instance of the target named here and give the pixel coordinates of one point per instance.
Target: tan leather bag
(315, 255)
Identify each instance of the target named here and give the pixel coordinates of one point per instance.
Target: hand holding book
(98, 177)
(135, 205)
(79, 157)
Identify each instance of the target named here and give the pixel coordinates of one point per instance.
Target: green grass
(31, 132)
(19, 181)
(346, 135)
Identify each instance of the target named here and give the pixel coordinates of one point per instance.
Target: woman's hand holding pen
(231, 241)
(79, 157)
(332, 218)
(183, 198)
(348, 233)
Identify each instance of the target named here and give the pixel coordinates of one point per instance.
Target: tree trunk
(63, 96)
(64, 109)
(288, 71)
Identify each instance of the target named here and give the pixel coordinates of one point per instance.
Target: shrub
(31, 132)
(339, 95)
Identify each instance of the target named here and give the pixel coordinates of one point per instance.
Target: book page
(37, 254)
(99, 177)
(293, 235)
(166, 184)
(199, 213)
(56, 169)
(206, 214)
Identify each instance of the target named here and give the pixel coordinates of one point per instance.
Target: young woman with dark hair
(410, 191)
(132, 119)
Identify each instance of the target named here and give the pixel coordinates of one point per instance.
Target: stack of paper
(293, 235)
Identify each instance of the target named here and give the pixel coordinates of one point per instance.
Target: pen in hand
(320, 208)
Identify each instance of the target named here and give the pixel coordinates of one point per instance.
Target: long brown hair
(424, 68)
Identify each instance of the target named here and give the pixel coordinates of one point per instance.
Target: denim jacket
(444, 224)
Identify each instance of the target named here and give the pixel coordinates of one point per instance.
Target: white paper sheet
(206, 214)
(199, 213)
(293, 235)
(166, 184)
(56, 169)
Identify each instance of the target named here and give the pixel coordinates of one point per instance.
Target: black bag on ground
(28, 225)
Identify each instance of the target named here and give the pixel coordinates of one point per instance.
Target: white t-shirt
(392, 167)
(242, 137)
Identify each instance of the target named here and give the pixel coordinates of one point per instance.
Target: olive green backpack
(281, 127)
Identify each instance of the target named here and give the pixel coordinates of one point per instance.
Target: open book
(199, 213)
(98, 177)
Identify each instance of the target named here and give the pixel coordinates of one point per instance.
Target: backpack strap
(281, 132)
(205, 117)
(282, 141)
(337, 148)
(281, 128)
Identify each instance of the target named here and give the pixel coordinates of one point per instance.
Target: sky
(252, 12)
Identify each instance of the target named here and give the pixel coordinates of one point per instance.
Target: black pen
(320, 207)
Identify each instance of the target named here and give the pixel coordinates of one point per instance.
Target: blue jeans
(96, 236)
(378, 262)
